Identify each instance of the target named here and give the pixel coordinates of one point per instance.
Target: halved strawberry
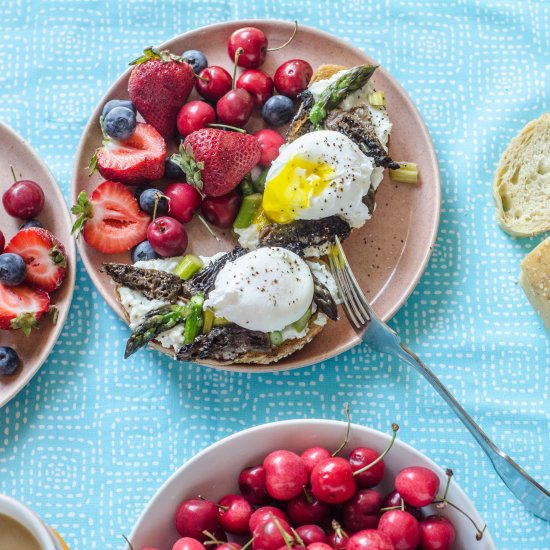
(44, 255)
(138, 159)
(21, 307)
(111, 218)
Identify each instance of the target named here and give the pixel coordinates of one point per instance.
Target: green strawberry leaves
(83, 210)
(192, 169)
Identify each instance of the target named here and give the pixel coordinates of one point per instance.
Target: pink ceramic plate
(388, 254)
(35, 349)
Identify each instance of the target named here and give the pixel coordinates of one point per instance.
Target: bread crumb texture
(521, 188)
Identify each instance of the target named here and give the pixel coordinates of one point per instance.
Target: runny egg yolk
(291, 189)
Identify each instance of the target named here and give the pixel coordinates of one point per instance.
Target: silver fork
(381, 337)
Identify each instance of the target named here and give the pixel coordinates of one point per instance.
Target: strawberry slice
(138, 159)
(111, 218)
(21, 307)
(44, 256)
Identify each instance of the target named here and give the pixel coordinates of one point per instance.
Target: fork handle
(409, 357)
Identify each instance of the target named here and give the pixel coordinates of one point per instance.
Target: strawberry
(111, 218)
(159, 85)
(21, 307)
(216, 161)
(138, 159)
(44, 256)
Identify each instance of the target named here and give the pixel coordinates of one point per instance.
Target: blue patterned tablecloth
(92, 437)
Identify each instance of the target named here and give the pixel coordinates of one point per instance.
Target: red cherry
(265, 513)
(292, 77)
(417, 485)
(267, 534)
(361, 457)
(311, 533)
(369, 539)
(167, 237)
(235, 512)
(213, 83)
(362, 511)
(229, 546)
(338, 538)
(222, 211)
(393, 499)
(184, 199)
(254, 44)
(318, 546)
(257, 83)
(436, 533)
(304, 509)
(195, 516)
(194, 116)
(285, 474)
(2, 242)
(252, 485)
(187, 543)
(402, 528)
(24, 199)
(332, 480)
(235, 107)
(270, 142)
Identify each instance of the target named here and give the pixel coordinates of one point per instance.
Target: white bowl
(214, 472)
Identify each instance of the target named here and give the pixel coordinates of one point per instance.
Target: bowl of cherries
(312, 484)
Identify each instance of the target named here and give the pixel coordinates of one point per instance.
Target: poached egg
(318, 175)
(265, 290)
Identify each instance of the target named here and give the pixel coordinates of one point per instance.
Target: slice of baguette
(324, 72)
(521, 188)
(288, 347)
(535, 279)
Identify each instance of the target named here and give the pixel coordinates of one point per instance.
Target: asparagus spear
(156, 321)
(193, 323)
(348, 83)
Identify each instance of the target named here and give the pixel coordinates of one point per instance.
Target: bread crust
(534, 279)
(288, 347)
(521, 186)
(324, 72)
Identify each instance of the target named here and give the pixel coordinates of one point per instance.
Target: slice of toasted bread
(535, 279)
(324, 72)
(288, 347)
(521, 188)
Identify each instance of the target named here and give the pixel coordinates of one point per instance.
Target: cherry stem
(238, 54)
(479, 534)
(308, 496)
(207, 225)
(345, 442)
(287, 42)
(449, 474)
(402, 505)
(158, 196)
(297, 537)
(234, 128)
(128, 542)
(391, 508)
(337, 528)
(395, 429)
(286, 537)
(248, 543)
(204, 79)
(15, 181)
(211, 536)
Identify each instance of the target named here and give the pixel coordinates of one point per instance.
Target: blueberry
(9, 360)
(173, 170)
(143, 251)
(118, 103)
(196, 59)
(120, 123)
(139, 190)
(31, 223)
(12, 269)
(147, 202)
(278, 110)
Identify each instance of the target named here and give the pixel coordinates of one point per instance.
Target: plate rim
(197, 457)
(25, 378)
(411, 107)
